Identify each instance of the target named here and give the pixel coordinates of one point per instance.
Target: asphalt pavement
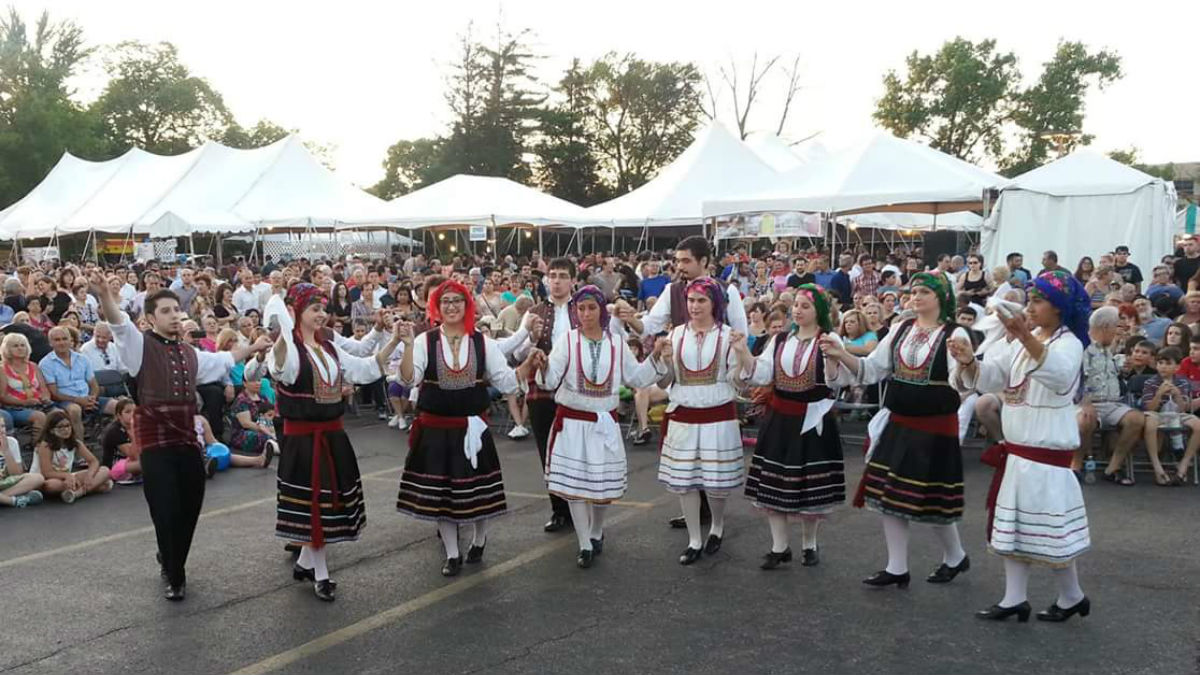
(80, 593)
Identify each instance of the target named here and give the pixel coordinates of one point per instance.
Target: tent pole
(541, 246)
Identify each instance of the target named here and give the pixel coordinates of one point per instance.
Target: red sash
(565, 413)
(720, 413)
(789, 407)
(938, 425)
(997, 458)
(320, 453)
(428, 419)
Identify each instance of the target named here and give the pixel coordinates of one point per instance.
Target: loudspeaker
(937, 243)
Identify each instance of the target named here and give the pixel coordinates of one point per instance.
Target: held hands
(737, 342)
(624, 310)
(533, 324)
(1015, 324)
(662, 348)
(262, 344)
(961, 351)
(831, 347)
(403, 331)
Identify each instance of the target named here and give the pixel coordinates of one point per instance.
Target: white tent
(716, 164)
(1083, 204)
(959, 221)
(881, 173)
(212, 188)
(463, 200)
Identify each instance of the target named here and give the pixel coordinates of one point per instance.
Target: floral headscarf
(937, 282)
(713, 290)
(1069, 297)
(591, 292)
(820, 300)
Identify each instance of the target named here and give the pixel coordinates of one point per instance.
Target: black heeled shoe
(1057, 614)
(773, 560)
(175, 593)
(712, 545)
(809, 557)
(294, 549)
(556, 523)
(585, 558)
(885, 578)
(998, 613)
(452, 567)
(689, 556)
(475, 553)
(324, 589)
(944, 574)
(677, 523)
(598, 546)
(304, 574)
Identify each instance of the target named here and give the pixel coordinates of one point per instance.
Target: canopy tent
(463, 200)
(882, 173)
(716, 164)
(959, 221)
(212, 188)
(1083, 204)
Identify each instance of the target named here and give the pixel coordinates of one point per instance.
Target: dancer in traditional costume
(1035, 506)
(913, 467)
(796, 470)
(452, 472)
(701, 440)
(585, 460)
(320, 498)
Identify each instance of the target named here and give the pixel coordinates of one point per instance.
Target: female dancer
(585, 457)
(797, 465)
(1035, 506)
(701, 440)
(452, 472)
(320, 494)
(914, 465)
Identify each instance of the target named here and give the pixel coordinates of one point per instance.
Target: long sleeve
(735, 311)
(358, 369)
(212, 367)
(420, 361)
(638, 375)
(256, 369)
(1060, 367)
(364, 347)
(500, 375)
(556, 365)
(764, 366)
(876, 366)
(291, 364)
(656, 320)
(129, 341)
(512, 343)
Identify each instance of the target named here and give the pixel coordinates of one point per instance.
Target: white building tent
(716, 164)
(881, 173)
(1083, 204)
(212, 188)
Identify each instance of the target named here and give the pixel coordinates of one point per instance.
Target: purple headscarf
(713, 290)
(591, 292)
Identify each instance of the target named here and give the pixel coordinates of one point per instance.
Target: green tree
(154, 102)
(38, 118)
(959, 98)
(264, 132)
(566, 166)
(1130, 157)
(409, 165)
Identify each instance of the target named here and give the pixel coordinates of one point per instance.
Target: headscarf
(937, 282)
(820, 300)
(434, 305)
(713, 290)
(303, 294)
(1074, 305)
(591, 292)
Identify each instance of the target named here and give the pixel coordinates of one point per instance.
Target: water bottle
(1089, 469)
(1171, 423)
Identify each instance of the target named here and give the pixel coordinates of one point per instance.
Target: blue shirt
(653, 287)
(1170, 289)
(71, 380)
(824, 279)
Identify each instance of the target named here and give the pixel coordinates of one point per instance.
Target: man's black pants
(174, 488)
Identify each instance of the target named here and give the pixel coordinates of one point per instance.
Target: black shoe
(1057, 614)
(475, 553)
(886, 578)
(598, 545)
(677, 523)
(642, 437)
(556, 523)
(689, 556)
(585, 558)
(452, 567)
(324, 589)
(294, 549)
(944, 574)
(175, 593)
(162, 569)
(210, 467)
(773, 560)
(269, 454)
(809, 557)
(712, 545)
(998, 613)
(303, 574)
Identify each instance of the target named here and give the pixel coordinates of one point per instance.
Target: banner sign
(774, 225)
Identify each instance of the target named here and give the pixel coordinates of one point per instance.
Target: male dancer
(166, 370)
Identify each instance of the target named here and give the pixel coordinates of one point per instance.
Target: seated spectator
(14, 295)
(1153, 327)
(1139, 366)
(512, 315)
(101, 352)
(1169, 404)
(1179, 336)
(1102, 403)
(85, 305)
(859, 340)
(17, 487)
(118, 452)
(1161, 285)
(25, 395)
(54, 457)
(1190, 367)
(253, 439)
(212, 330)
(37, 317)
(71, 380)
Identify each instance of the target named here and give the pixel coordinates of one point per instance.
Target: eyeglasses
(452, 301)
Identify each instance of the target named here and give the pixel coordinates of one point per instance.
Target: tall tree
(264, 132)
(38, 118)
(154, 102)
(1051, 112)
(566, 166)
(745, 88)
(410, 165)
(1130, 157)
(960, 98)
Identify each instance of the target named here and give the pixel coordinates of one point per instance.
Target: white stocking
(599, 511)
(779, 531)
(320, 571)
(449, 532)
(895, 532)
(1016, 582)
(808, 531)
(305, 559)
(582, 518)
(952, 550)
(689, 502)
(716, 505)
(479, 532)
(1069, 592)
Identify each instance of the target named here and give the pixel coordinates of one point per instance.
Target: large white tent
(212, 188)
(881, 173)
(716, 164)
(1083, 204)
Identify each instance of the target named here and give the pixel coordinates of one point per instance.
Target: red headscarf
(434, 306)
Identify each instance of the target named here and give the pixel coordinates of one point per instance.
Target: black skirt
(342, 522)
(915, 475)
(439, 482)
(797, 473)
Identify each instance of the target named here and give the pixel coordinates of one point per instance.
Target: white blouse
(499, 374)
(561, 371)
(877, 366)
(355, 369)
(764, 363)
(698, 354)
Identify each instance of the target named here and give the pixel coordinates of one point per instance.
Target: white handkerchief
(473, 442)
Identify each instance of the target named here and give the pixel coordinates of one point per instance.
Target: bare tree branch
(793, 86)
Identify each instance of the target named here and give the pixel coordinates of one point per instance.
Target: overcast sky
(361, 75)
